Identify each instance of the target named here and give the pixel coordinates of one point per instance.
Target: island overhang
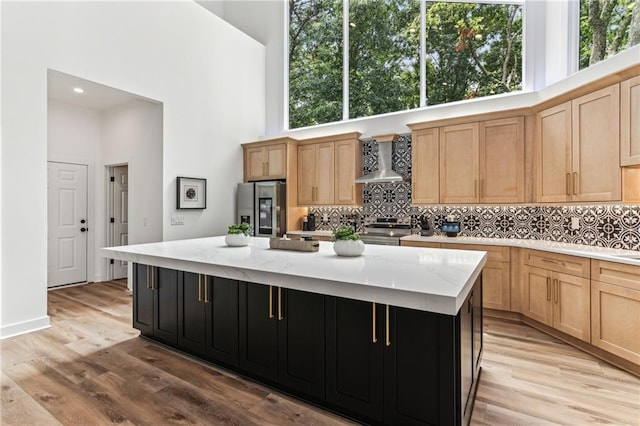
(426, 279)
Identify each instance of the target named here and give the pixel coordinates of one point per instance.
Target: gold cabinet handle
(556, 291)
(387, 327)
(206, 289)
(548, 288)
(475, 188)
(373, 321)
(270, 302)
(148, 276)
(199, 288)
(280, 317)
(568, 183)
(576, 183)
(153, 276)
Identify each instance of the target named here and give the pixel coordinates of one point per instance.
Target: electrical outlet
(177, 220)
(575, 223)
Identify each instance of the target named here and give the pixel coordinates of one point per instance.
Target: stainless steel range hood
(385, 172)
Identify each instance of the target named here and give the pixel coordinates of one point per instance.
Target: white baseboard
(24, 327)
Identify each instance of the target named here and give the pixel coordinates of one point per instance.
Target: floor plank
(91, 367)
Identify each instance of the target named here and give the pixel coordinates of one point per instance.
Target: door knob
(83, 221)
(83, 229)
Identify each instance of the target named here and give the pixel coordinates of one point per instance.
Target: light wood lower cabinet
(615, 309)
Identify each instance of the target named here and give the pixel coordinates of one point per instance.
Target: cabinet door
(325, 173)
(536, 295)
(258, 331)
(142, 299)
(354, 357)
(553, 154)
(276, 159)
(416, 389)
(502, 161)
(596, 146)
(191, 313)
(614, 311)
(166, 284)
(306, 174)
(254, 163)
(572, 306)
(348, 163)
(459, 163)
(496, 279)
(221, 301)
(466, 352)
(301, 354)
(630, 122)
(425, 166)
(478, 343)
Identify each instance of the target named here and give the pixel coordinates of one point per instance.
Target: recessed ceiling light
(78, 89)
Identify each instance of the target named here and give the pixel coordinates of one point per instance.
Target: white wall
(208, 76)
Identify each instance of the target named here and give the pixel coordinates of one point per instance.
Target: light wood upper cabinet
(316, 173)
(425, 166)
(502, 161)
(482, 162)
(348, 166)
(327, 169)
(630, 122)
(578, 149)
(265, 162)
(459, 163)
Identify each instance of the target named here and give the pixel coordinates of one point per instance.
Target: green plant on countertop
(240, 228)
(345, 233)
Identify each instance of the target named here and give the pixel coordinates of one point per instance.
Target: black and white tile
(614, 226)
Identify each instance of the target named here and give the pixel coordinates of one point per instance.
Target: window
(470, 50)
(607, 27)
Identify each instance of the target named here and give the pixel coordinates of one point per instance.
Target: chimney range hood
(385, 172)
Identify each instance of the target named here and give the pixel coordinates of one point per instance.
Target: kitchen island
(390, 337)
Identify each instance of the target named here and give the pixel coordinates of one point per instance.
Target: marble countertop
(425, 279)
(602, 253)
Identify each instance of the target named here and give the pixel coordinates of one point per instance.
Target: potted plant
(238, 235)
(347, 242)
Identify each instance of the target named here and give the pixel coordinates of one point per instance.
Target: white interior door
(67, 223)
(120, 216)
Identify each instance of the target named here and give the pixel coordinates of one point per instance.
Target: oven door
(381, 240)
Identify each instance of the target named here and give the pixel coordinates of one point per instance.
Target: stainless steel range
(386, 231)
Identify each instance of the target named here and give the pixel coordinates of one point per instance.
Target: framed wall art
(192, 193)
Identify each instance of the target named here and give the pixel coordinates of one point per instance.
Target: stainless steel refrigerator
(263, 206)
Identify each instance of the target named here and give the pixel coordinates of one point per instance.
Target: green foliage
(472, 50)
(240, 228)
(345, 233)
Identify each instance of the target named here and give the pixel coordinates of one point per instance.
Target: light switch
(177, 220)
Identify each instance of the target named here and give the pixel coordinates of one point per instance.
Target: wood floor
(91, 368)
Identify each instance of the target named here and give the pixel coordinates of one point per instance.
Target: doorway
(118, 203)
(67, 223)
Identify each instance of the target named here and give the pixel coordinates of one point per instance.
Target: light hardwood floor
(91, 368)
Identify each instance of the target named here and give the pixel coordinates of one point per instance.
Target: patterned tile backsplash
(615, 226)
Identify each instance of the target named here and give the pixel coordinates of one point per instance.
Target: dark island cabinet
(208, 318)
(155, 292)
(282, 337)
(375, 363)
(392, 365)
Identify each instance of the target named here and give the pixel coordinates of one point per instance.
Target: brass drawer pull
(280, 317)
(199, 288)
(270, 302)
(549, 288)
(373, 321)
(387, 326)
(568, 183)
(206, 288)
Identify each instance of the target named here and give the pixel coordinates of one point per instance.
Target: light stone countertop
(602, 253)
(426, 279)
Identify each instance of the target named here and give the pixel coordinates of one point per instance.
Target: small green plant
(240, 228)
(345, 233)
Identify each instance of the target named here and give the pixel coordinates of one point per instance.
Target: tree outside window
(607, 27)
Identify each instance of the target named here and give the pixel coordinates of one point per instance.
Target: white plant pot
(236, 240)
(348, 247)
